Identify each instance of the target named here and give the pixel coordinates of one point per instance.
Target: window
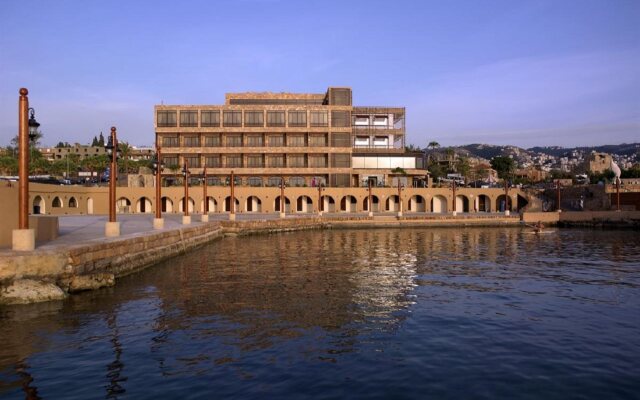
(255, 161)
(73, 203)
(166, 119)
(170, 141)
(254, 181)
(188, 118)
(319, 118)
(56, 203)
(381, 120)
(361, 141)
(209, 118)
(361, 120)
(295, 140)
(274, 181)
(234, 141)
(233, 161)
(191, 141)
(295, 161)
(341, 161)
(318, 140)
(192, 161)
(254, 140)
(275, 118)
(276, 161)
(213, 161)
(296, 181)
(212, 141)
(297, 118)
(253, 118)
(170, 161)
(317, 161)
(340, 119)
(340, 140)
(276, 140)
(232, 118)
(214, 181)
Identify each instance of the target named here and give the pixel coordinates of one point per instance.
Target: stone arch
(304, 204)
(392, 203)
(167, 204)
(502, 205)
(253, 204)
(227, 204)
(72, 203)
(191, 204)
(56, 203)
(328, 204)
(439, 204)
(484, 203)
(348, 203)
(462, 203)
(39, 206)
(143, 205)
(287, 204)
(417, 203)
(213, 204)
(123, 205)
(375, 203)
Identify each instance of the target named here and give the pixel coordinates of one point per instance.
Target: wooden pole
(23, 160)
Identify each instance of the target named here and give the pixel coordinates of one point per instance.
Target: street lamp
(282, 198)
(112, 228)
(558, 187)
(321, 189)
(453, 188)
(232, 200)
(158, 166)
(205, 209)
(370, 203)
(186, 218)
(23, 238)
(400, 189)
(506, 197)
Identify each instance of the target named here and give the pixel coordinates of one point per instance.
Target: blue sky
(500, 72)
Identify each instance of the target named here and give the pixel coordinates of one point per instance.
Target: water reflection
(250, 308)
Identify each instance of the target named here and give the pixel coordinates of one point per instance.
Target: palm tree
(433, 145)
(125, 150)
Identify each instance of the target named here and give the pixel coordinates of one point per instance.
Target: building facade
(304, 138)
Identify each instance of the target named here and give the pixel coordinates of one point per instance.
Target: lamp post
(320, 190)
(618, 193)
(232, 200)
(506, 197)
(23, 238)
(283, 201)
(112, 228)
(558, 187)
(400, 189)
(369, 200)
(453, 188)
(158, 221)
(205, 205)
(186, 218)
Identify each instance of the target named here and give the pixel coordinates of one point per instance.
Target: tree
(8, 165)
(101, 140)
(125, 151)
(95, 142)
(436, 170)
(463, 167)
(505, 166)
(433, 145)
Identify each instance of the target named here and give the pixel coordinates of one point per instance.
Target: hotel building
(306, 138)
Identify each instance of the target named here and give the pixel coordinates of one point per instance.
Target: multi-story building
(78, 150)
(307, 139)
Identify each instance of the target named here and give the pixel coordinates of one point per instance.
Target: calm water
(424, 313)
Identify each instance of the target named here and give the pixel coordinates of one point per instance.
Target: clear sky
(527, 73)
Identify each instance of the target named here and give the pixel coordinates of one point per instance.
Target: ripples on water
(433, 313)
